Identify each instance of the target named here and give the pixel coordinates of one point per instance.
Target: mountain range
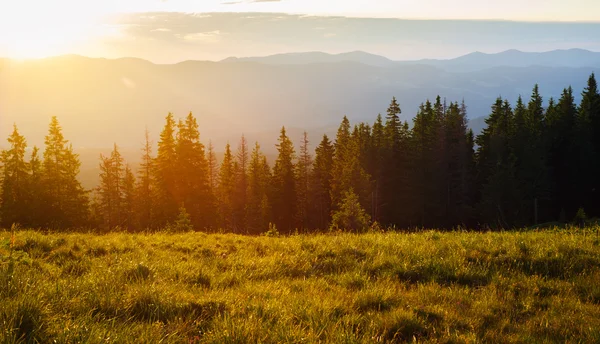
(100, 101)
(574, 58)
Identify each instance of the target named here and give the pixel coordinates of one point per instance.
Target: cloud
(330, 35)
(161, 29)
(205, 37)
(247, 1)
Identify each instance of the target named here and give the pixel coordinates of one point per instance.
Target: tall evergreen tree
(213, 167)
(458, 160)
(145, 198)
(560, 119)
(321, 184)
(192, 182)
(165, 171)
(128, 200)
(35, 188)
(303, 177)
(496, 164)
(284, 185)
(258, 209)
(110, 191)
(66, 203)
(347, 171)
(226, 189)
(241, 185)
(14, 207)
(586, 143)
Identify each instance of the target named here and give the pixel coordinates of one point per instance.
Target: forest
(534, 163)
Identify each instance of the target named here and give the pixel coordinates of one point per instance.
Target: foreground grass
(377, 287)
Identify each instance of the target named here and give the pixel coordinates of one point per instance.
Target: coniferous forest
(536, 162)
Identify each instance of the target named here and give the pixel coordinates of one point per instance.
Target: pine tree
(144, 193)
(347, 171)
(458, 160)
(303, 178)
(65, 200)
(110, 191)
(241, 186)
(128, 199)
(213, 168)
(499, 203)
(429, 181)
(165, 171)
(559, 143)
(395, 180)
(192, 182)
(35, 188)
(14, 207)
(284, 185)
(351, 216)
(587, 141)
(531, 163)
(321, 184)
(257, 206)
(225, 194)
(377, 161)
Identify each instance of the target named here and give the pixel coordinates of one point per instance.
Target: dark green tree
(284, 185)
(320, 192)
(15, 201)
(65, 200)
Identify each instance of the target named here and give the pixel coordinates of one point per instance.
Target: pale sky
(40, 28)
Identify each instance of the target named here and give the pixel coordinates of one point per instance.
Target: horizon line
(425, 59)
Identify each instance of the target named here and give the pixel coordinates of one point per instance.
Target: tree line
(530, 165)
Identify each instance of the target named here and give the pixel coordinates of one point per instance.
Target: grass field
(376, 287)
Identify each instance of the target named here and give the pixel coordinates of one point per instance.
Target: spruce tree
(587, 148)
(499, 205)
(65, 200)
(559, 144)
(213, 168)
(226, 189)
(165, 174)
(144, 191)
(128, 199)
(284, 185)
(241, 185)
(14, 208)
(258, 207)
(35, 188)
(347, 171)
(320, 194)
(351, 216)
(303, 177)
(110, 191)
(192, 182)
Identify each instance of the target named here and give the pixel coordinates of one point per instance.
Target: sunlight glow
(33, 29)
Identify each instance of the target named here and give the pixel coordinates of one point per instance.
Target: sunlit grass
(374, 287)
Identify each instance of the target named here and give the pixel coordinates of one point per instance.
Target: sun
(35, 29)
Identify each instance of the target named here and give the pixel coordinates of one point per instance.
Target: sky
(113, 28)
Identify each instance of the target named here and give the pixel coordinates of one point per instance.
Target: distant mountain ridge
(317, 57)
(573, 58)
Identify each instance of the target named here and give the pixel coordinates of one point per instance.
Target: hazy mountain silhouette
(101, 101)
(574, 58)
(318, 57)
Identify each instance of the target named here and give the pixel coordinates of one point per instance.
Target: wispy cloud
(204, 37)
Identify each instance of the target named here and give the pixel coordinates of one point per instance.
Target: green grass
(377, 287)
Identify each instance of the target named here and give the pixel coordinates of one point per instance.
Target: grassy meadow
(458, 287)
